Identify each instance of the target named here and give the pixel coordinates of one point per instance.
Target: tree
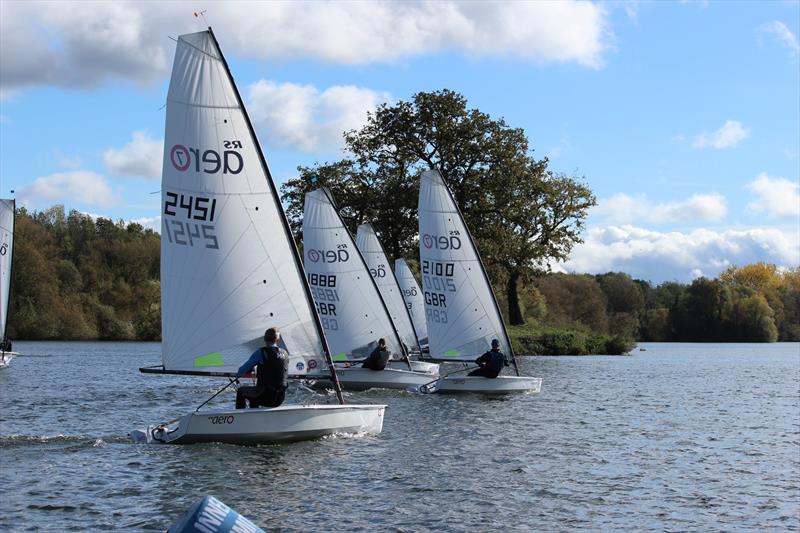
(521, 214)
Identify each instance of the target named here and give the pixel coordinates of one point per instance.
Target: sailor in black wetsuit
(379, 357)
(490, 363)
(272, 374)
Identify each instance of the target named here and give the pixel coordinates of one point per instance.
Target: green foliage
(521, 214)
(76, 278)
(569, 341)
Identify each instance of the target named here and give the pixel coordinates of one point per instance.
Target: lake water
(678, 437)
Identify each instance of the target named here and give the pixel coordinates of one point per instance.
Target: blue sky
(684, 117)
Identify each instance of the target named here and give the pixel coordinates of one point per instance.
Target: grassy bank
(528, 340)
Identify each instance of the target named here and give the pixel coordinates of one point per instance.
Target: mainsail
(381, 271)
(460, 307)
(6, 251)
(229, 268)
(412, 295)
(350, 307)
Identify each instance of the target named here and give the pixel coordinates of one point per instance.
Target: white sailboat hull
(417, 366)
(498, 385)
(6, 357)
(289, 423)
(358, 379)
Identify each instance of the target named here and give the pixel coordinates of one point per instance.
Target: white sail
(350, 307)
(228, 267)
(381, 271)
(6, 249)
(460, 308)
(412, 295)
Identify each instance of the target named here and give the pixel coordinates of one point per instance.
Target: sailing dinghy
(379, 267)
(460, 308)
(7, 212)
(353, 313)
(229, 265)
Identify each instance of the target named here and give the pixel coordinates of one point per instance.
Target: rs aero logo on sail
(209, 161)
(441, 242)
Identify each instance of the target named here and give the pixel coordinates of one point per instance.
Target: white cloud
(154, 223)
(302, 117)
(729, 135)
(81, 44)
(665, 256)
(777, 197)
(80, 186)
(783, 35)
(622, 208)
(139, 158)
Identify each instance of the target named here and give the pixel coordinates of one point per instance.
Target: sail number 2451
(198, 228)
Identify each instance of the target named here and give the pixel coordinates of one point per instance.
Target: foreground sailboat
(353, 313)
(7, 211)
(229, 266)
(460, 308)
(378, 264)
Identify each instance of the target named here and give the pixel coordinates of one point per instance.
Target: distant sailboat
(353, 313)
(7, 215)
(389, 287)
(460, 308)
(412, 295)
(229, 266)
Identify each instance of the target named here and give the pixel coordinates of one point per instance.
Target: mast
(329, 196)
(483, 271)
(285, 223)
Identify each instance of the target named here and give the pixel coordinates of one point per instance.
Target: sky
(682, 117)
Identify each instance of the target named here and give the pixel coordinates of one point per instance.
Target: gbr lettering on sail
(190, 218)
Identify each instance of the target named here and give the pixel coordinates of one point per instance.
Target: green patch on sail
(212, 359)
(340, 357)
(451, 353)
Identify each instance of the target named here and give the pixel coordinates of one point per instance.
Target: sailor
(378, 358)
(490, 363)
(272, 370)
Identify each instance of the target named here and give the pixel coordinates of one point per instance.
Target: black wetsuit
(377, 360)
(271, 382)
(491, 363)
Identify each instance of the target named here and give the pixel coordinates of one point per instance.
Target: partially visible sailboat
(353, 313)
(229, 265)
(7, 217)
(460, 308)
(379, 267)
(412, 295)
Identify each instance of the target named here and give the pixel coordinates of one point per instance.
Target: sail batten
(460, 308)
(226, 273)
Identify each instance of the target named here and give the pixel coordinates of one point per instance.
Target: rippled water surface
(677, 437)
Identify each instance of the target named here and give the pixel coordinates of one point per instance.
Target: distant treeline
(753, 303)
(76, 278)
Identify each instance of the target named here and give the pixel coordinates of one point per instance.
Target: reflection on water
(677, 437)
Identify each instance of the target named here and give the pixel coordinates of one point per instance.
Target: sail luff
(284, 221)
